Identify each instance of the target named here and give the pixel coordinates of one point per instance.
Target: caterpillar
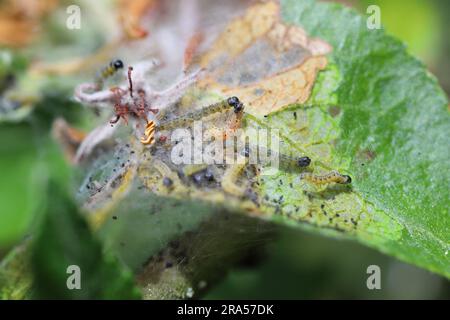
(297, 161)
(330, 177)
(108, 71)
(284, 159)
(170, 179)
(185, 120)
(292, 161)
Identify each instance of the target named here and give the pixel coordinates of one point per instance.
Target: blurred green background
(295, 264)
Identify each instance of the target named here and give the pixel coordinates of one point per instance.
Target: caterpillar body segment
(284, 159)
(331, 177)
(170, 180)
(196, 115)
(292, 161)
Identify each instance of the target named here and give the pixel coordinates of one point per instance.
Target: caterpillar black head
(236, 104)
(303, 161)
(117, 64)
(348, 179)
(167, 182)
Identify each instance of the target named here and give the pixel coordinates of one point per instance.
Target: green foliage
(65, 240)
(423, 36)
(393, 131)
(15, 274)
(11, 63)
(29, 157)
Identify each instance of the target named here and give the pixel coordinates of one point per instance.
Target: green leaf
(65, 240)
(11, 63)
(30, 158)
(388, 129)
(15, 275)
(375, 113)
(423, 36)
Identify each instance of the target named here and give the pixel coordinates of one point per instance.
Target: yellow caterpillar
(190, 117)
(170, 179)
(108, 71)
(333, 176)
(284, 159)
